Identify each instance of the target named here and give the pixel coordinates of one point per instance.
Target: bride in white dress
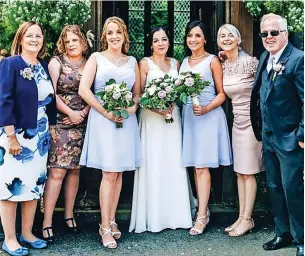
(161, 192)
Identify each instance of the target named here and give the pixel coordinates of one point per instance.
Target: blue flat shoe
(19, 252)
(38, 244)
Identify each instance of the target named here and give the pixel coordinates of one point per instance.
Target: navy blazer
(285, 101)
(19, 96)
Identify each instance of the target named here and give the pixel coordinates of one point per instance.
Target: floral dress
(67, 140)
(23, 176)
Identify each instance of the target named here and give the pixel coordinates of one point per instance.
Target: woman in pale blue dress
(114, 150)
(206, 142)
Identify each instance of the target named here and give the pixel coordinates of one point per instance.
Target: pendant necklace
(117, 61)
(199, 57)
(74, 65)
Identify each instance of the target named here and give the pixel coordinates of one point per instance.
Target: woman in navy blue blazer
(27, 107)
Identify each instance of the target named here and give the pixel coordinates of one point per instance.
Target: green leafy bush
(293, 11)
(53, 15)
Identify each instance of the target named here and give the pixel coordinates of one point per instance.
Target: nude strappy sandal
(115, 234)
(109, 244)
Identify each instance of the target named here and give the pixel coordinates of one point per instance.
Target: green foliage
(53, 15)
(159, 18)
(293, 11)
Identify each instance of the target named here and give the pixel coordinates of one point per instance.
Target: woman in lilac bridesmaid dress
(206, 142)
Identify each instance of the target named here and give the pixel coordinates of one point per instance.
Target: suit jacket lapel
(283, 59)
(260, 70)
(286, 53)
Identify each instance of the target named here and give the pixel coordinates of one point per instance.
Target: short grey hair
(233, 30)
(282, 21)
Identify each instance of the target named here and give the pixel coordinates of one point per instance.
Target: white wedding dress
(161, 196)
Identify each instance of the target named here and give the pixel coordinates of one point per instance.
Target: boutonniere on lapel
(278, 69)
(27, 73)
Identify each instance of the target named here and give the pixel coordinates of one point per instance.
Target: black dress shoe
(300, 250)
(50, 238)
(277, 243)
(74, 228)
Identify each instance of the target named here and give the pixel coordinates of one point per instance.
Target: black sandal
(50, 239)
(74, 227)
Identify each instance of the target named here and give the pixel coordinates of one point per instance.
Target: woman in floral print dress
(68, 133)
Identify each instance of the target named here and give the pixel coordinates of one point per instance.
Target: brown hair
(77, 30)
(16, 45)
(122, 27)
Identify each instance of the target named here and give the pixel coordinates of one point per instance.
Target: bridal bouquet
(190, 84)
(116, 98)
(160, 94)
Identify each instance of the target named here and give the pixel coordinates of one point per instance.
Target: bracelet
(9, 135)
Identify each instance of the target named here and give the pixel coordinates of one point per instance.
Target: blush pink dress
(238, 79)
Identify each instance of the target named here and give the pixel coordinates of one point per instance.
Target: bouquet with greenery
(159, 94)
(190, 84)
(116, 98)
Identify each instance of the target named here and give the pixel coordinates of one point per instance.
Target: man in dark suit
(277, 116)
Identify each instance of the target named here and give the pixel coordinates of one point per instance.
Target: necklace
(199, 57)
(75, 65)
(163, 67)
(29, 61)
(117, 61)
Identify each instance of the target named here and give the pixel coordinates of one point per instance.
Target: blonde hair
(3, 52)
(75, 29)
(233, 30)
(122, 27)
(16, 45)
(282, 21)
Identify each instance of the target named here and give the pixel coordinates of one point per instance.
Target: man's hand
(301, 144)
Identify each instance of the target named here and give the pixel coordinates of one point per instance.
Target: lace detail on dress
(244, 64)
(153, 66)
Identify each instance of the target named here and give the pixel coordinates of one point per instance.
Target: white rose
(109, 88)
(168, 89)
(152, 90)
(128, 96)
(116, 95)
(189, 81)
(158, 80)
(178, 82)
(277, 67)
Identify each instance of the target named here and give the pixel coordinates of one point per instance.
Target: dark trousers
(286, 187)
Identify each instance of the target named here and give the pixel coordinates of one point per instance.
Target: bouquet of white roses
(116, 98)
(160, 94)
(190, 84)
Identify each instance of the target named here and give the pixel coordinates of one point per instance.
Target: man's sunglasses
(272, 33)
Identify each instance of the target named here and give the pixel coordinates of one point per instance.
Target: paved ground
(214, 242)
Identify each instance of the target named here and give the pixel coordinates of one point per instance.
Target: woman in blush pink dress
(238, 76)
